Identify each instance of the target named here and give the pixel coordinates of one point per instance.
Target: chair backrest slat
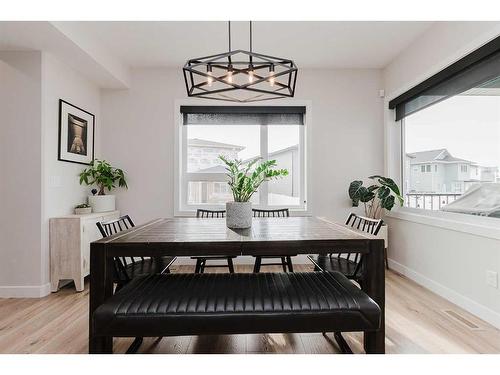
(111, 227)
(365, 224)
(281, 212)
(202, 213)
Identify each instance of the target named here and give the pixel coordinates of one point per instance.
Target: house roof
(214, 169)
(222, 169)
(438, 155)
(196, 142)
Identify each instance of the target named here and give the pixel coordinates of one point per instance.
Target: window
(452, 121)
(428, 168)
(462, 128)
(272, 136)
(422, 168)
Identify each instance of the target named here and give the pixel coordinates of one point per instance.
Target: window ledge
(293, 212)
(475, 225)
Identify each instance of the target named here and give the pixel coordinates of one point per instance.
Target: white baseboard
(299, 259)
(481, 311)
(25, 291)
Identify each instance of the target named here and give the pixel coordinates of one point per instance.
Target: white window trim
(394, 152)
(180, 143)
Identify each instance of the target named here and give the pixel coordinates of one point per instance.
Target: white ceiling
(310, 44)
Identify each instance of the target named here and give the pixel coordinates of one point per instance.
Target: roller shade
(479, 69)
(243, 115)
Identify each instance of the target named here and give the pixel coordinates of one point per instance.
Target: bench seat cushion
(195, 304)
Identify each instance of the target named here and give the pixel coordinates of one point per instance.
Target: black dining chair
(285, 260)
(126, 268)
(348, 264)
(201, 261)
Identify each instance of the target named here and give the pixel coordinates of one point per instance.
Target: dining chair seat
(330, 263)
(149, 266)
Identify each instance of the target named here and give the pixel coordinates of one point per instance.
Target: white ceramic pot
(83, 210)
(102, 203)
(239, 215)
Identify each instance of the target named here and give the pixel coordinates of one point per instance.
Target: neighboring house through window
(270, 136)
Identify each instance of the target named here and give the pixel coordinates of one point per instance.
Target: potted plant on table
(105, 176)
(244, 180)
(376, 198)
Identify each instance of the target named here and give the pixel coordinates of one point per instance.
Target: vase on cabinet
(102, 203)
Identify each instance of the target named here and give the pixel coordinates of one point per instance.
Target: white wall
(346, 144)
(452, 262)
(20, 172)
(34, 184)
(61, 187)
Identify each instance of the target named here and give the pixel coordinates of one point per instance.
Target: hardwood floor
(417, 321)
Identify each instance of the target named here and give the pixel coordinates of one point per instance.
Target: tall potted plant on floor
(105, 176)
(376, 198)
(244, 180)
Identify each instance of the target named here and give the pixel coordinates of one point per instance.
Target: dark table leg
(374, 285)
(101, 288)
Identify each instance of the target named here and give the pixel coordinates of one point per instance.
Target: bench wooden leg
(101, 345)
(374, 342)
(289, 261)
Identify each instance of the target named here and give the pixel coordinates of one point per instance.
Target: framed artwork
(76, 134)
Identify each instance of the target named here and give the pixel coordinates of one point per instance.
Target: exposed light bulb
(230, 76)
(251, 75)
(210, 79)
(271, 75)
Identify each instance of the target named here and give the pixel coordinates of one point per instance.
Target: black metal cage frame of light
(256, 62)
(251, 67)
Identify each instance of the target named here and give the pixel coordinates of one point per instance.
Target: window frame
(182, 177)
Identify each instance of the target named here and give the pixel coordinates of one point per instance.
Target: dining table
(267, 236)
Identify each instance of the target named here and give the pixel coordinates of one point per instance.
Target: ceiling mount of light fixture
(240, 76)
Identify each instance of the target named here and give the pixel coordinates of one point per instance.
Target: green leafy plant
(83, 205)
(376, 197)
(102, 174)
(245, 180)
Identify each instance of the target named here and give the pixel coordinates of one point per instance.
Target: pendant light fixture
(240, 76)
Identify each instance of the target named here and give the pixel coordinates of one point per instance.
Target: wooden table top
(286, 233)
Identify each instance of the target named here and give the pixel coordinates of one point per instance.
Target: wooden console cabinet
(70, 238)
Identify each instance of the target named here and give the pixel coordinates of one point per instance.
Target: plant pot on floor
(239, 215)
(102, 203)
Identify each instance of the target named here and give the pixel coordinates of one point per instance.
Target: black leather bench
(198, 304)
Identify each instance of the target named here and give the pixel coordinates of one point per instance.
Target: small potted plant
(105, 176)
(376, 198)
(83, 209)
(244, 180)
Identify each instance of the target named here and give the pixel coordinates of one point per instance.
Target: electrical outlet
(492, 279)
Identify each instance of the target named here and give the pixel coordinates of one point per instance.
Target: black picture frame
(86, 137)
